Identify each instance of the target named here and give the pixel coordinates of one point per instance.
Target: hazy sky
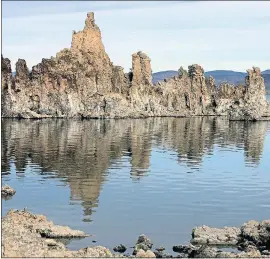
(217, 35)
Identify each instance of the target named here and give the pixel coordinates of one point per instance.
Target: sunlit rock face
(141, 67)
(81, 81)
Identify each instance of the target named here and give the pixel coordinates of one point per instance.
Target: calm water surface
(117, 179)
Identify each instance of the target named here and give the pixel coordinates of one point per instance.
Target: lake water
(117, 179)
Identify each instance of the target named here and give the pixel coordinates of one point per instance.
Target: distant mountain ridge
(266, 72)
(220, 76)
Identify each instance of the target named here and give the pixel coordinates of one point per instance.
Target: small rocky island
(82, 82)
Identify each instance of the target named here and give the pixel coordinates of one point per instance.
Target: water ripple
(158, 176)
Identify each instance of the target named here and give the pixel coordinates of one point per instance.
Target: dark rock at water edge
(120, 248)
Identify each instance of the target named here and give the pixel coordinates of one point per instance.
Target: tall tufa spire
(90, 21)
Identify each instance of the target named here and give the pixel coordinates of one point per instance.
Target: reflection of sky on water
(119, 179)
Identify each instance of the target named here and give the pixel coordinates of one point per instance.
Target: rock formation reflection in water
(156, 171)
(80, 152)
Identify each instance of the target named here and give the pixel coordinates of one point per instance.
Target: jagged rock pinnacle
(141, 67)
(90, 21)
(83, 82)
(89, 39)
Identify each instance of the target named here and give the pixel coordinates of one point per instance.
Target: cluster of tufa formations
(83, 82)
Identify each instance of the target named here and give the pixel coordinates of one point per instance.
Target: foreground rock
(252, 240)
(143, 243)
(28, 235)
(82, 82)
(216, 236)
(145, 254)
(213, 252)
(252, 233)
(206, 251)
(40, 225)
(7, 191)
(25, 235)
(256, 234)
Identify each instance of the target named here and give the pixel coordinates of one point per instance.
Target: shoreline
(30, 235)
(263, 118)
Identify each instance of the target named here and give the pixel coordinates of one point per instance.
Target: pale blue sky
(217, 35)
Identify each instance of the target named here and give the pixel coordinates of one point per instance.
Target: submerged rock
(185, 249)
(161, 248)
(7, 191)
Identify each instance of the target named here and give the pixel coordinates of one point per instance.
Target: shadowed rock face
(83, 82)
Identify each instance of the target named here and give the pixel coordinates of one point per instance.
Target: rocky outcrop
(145, 254)
(7, 191)
(143, 246)
(141, 69)
(81, 81)
(24, 235)
(40, 224)
(215, 236)
(28, 235)
(257, 234)
(252, 240)
(6, 73)
(250, 103)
